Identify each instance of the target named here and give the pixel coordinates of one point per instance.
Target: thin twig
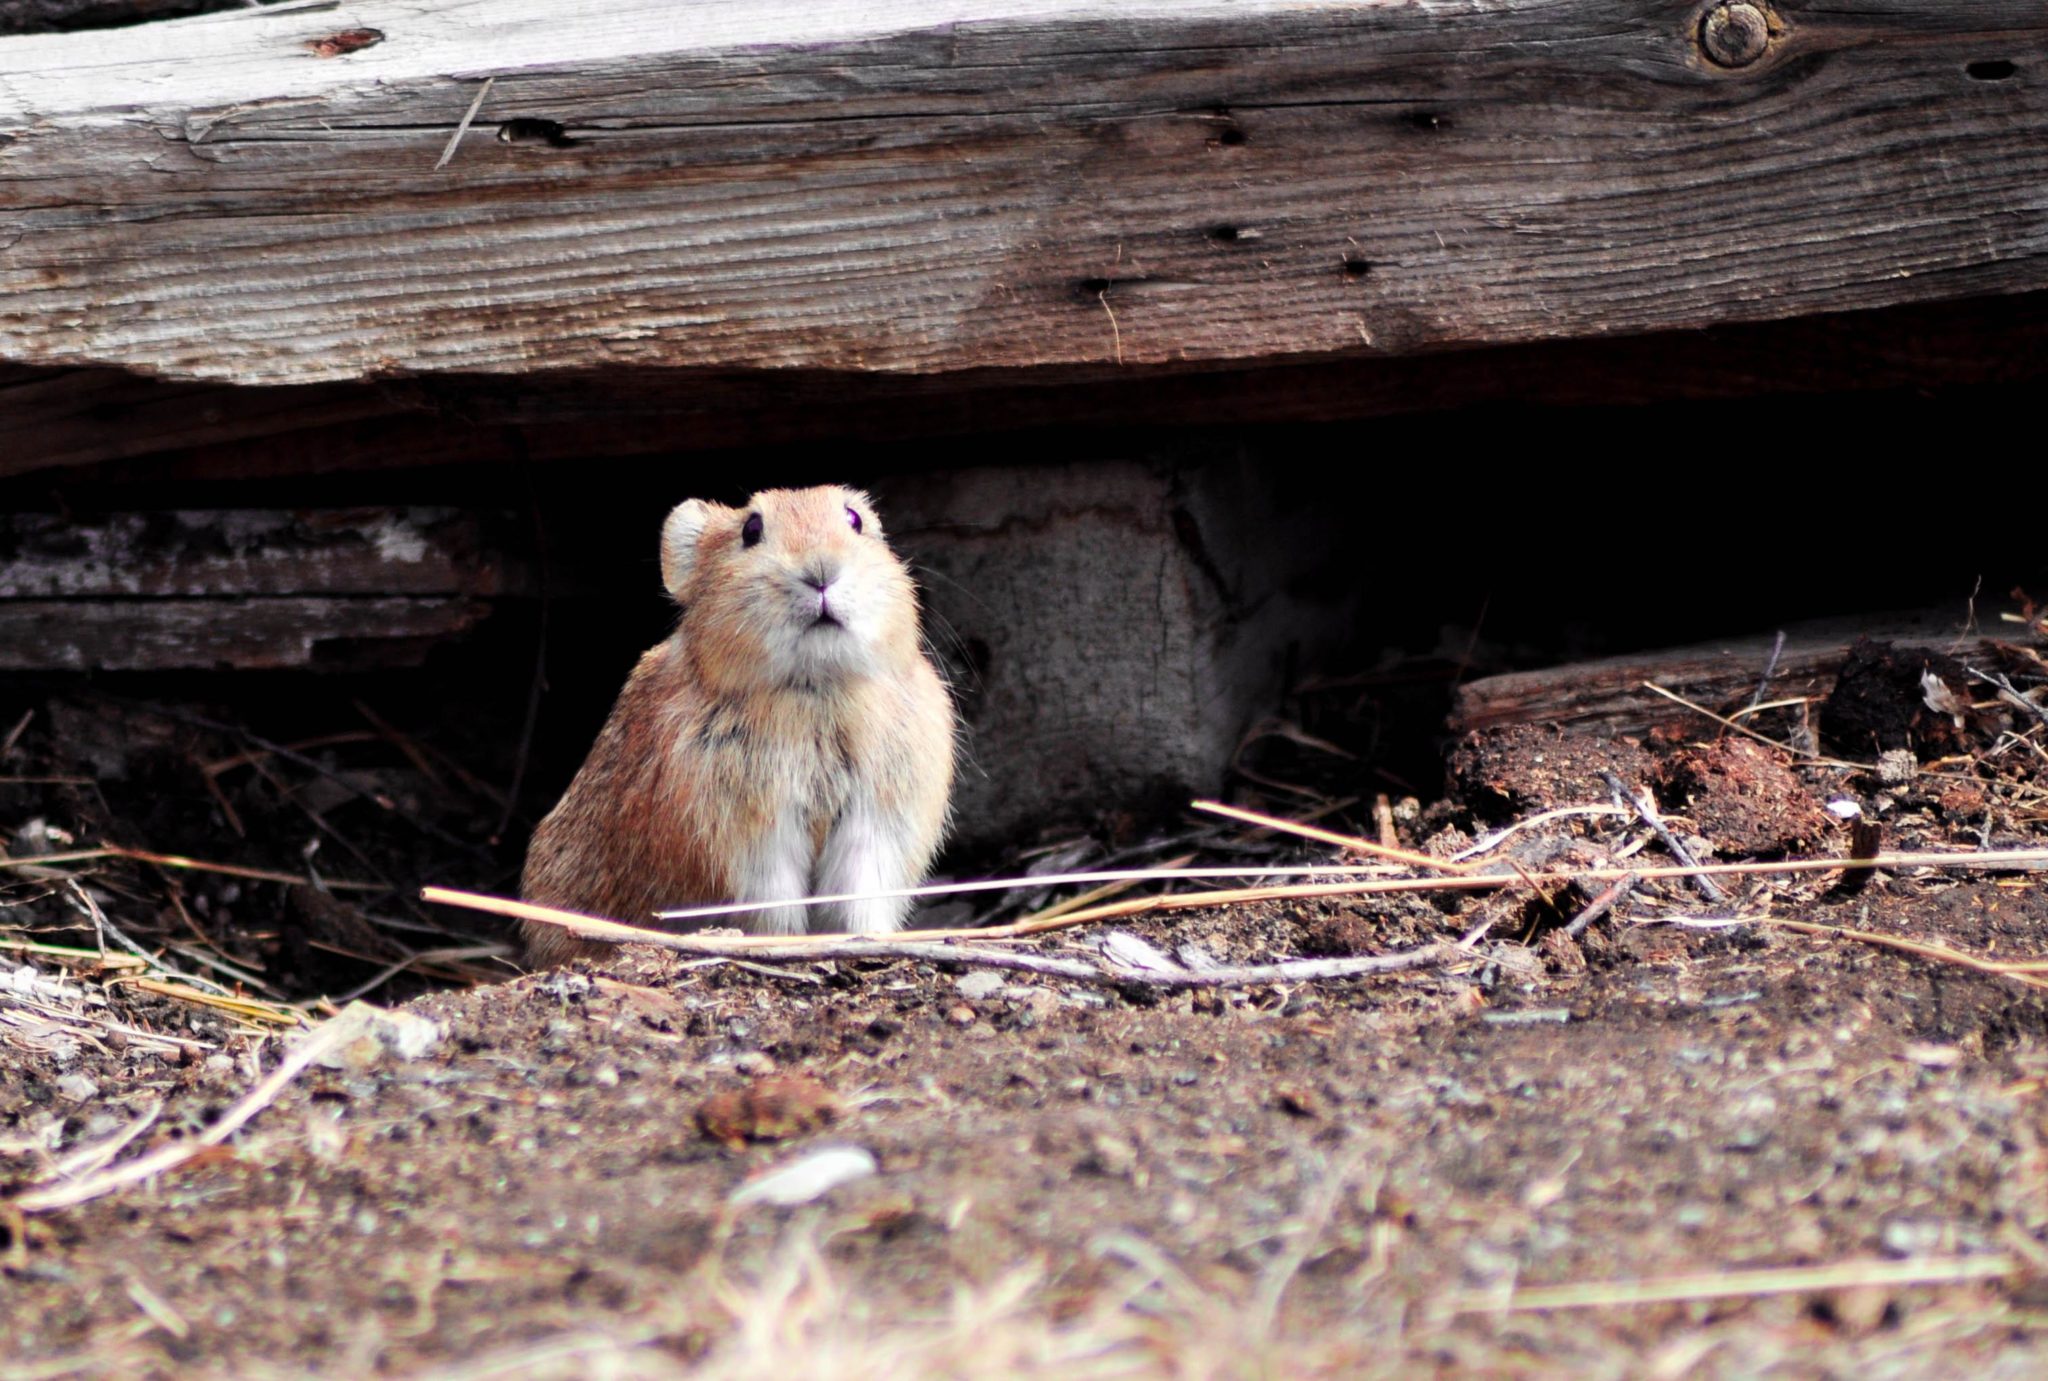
(1601, 905)
(1507, 832)
(425, 956)
(1784, 1280)
(1037, 883)
(468, 116)
(2023, 969)
(601, 929)
(1645, 808)
(330, 1036)
(1770, 670)
(355, 789)
(2009, 693)
(1343, 841)
(1116, 975)
(87, 1159)
(14, 734)
(277, 1014)
(1810, 759)
(1095, 895)
(180, 861)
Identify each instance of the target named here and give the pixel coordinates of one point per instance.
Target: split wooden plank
(921, 186)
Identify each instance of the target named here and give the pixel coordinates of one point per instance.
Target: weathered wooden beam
(176, 430)
(920, 185)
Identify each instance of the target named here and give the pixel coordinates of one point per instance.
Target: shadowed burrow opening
(1991, 70)
(402, 660)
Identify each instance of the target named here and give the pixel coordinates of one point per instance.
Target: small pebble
(807, 1177)
(979, 985)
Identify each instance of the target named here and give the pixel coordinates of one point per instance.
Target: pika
(790, 739)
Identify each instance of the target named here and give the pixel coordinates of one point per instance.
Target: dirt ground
(1348, 1177)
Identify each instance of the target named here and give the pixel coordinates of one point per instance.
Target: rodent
(792, 738)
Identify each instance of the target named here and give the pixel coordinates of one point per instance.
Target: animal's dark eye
(750, 530)
(853, 519)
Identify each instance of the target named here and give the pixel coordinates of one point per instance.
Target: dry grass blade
(933, 946)
(331, 1036)
(1059, 910)
(596, 928)
(97, 959)
(1343, 841)
(2021, 969)
(88, 1159)
(196, 865)
(1786, 1280)
(1031, 882)
(273, 1013)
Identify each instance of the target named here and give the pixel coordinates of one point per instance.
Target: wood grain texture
(891, 186)
(361, 551)
(243, 634)
(172, 431)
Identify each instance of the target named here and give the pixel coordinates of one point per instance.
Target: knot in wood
(1735, 35)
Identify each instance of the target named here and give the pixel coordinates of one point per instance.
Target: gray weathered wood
(361, 551)
(207, 634)
(241, 588)
(923, 185)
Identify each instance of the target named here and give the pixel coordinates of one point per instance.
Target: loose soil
(1331, 1178)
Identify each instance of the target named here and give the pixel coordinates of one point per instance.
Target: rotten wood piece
(240, 589)
(1608, 695)
(917, 186)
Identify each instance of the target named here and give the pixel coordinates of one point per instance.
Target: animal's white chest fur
(828, 836)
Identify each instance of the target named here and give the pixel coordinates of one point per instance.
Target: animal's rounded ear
(871, 522)
(680, 536)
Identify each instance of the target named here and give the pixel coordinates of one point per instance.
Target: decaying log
(243, 589)
(1609, 695)
(924, 186)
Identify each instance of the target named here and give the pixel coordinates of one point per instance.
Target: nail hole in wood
(526, 130)
(347, 41)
